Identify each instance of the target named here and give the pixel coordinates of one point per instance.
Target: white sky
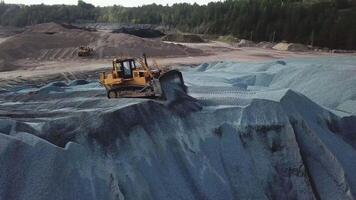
(128, 3)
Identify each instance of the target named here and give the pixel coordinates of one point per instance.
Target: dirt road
(3, 39)
(216, 51)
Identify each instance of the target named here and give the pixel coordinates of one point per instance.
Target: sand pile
(41, 45)
(266, 45)
(283, 46)
(46, 28)
(230, 39)
(246, 43)
(47, 42)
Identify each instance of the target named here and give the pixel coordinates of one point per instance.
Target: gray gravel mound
(78, 82)
(218, 141)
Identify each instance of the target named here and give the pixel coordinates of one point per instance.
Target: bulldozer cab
(124, 68)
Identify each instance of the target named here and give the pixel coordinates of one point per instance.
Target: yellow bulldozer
(132, 77)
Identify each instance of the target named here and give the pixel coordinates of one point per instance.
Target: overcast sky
(108, 2)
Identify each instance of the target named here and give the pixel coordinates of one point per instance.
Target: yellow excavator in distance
(133, 78)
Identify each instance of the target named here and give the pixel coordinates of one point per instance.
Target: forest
(324, 23)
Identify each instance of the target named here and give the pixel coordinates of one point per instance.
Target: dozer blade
(172, 84)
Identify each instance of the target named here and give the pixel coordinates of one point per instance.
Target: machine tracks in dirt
(213, 96)
(219, 91)
(57, 54)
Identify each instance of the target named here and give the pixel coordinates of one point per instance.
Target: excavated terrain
(275, 130)
(55, 42)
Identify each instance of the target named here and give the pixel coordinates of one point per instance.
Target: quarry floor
(214, 51)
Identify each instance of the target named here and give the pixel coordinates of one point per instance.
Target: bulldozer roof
(118, 60)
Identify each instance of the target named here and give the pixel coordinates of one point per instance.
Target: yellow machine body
(129, 78)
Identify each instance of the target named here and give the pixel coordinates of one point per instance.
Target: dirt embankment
(7, 31)
(54, 42)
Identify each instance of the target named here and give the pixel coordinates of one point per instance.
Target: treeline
(330, 23)
(22, 15)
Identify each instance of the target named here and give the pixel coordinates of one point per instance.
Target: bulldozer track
(57, 54)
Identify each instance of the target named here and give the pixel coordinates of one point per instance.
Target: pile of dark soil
(140, 32)
(184, 38)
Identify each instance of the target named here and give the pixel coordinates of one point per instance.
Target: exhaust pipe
(145, 58)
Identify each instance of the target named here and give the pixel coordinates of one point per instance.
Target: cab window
(127, 68)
